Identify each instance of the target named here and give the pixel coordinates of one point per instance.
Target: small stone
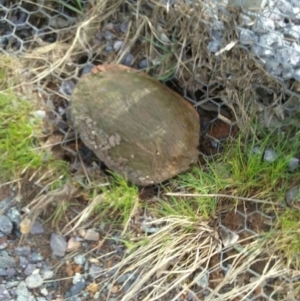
(73, 244)
(47, 274)
(5, 203)
(4, 294)
(6, 261)
(117, 45)
(108, 35)
(36, 257)
(34, 281)
(58, 245)
(82, 232)
(110, 26)
(127, 59)
(6, 225)
(44, 291)
(292, 197)
(293, 164)
(271, 38)
(270, 155)
(29, 269)
(296, 74)
(37, 228)
(23, 262)
(95, 271)
(10, 272)
(124, 27)
(67, 87)
(23, 251)
(92, 235)
(87, 69)
(14, 215)
(273, 67)
(285, 7)
(78, 286)
(22, 289)
(80, 259)
(128, 277)
(143, 64)
(203, 280)
(247, 37)
(59, 22)
(228, 237)
(263, 25)
(3, 272)
(214, 46)
(109, 48)
(40, 114)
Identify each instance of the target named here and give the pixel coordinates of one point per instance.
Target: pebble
(14, 215)
(292, 197)
(6, 225)
(59, 22)
(293, 164)
(22, 289)
(10, 272)
(87, 69)
(78, 286)
(124, 27)
(6, 261)
(73, 244)
(203, 280)
(270, 155)
(36, 257)
(58, 245)
(4, 294)
(108, 35)
(117, 45)
(37, 228)
(34, 281)
(92, 235)
(5, 203)
(67, 87)
(47, 274)
(95, 271)
(79, 259)
(127, 59)
(29, 269)
(23, 262)
(23, 251)
(143, 64)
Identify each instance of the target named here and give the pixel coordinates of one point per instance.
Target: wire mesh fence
(229, 59)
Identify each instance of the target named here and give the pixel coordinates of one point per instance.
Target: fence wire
(269, 31)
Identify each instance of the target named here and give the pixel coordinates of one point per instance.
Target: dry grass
(182, 249)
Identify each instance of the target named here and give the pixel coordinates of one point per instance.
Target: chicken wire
(269, 32)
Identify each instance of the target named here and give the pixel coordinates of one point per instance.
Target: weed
(17, 137)
(75, 7)
(242, 171)
(118, 202)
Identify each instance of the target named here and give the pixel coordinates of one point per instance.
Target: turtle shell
(137, 126)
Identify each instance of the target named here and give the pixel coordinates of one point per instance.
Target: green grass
(17, 136)
(118, 201)
(76, 6)
(239, 173)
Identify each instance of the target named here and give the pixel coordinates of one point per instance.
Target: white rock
(247, 37)
(293, 164)
(271, 38)
(263, 25)
(270, 155)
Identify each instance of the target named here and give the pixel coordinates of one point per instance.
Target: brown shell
(134, 124)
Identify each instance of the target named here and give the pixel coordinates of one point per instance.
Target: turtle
(137, 126)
